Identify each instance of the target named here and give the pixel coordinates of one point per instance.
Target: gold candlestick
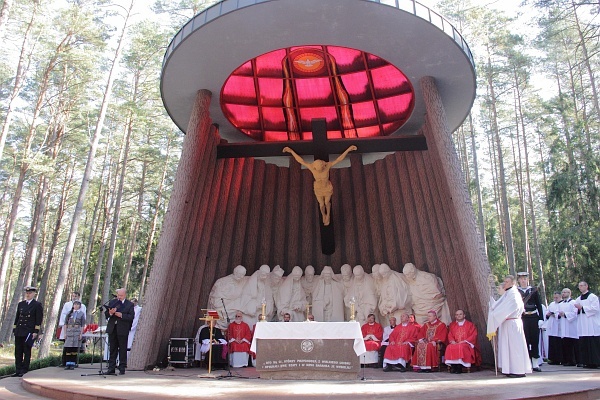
(263, 316)
(308, 311)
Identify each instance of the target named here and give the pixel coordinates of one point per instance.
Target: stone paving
(555, 382)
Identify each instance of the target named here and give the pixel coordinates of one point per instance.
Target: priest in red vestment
(462, 347)
(372, 333)
(432, 333)
(240, 338)
(400, 345)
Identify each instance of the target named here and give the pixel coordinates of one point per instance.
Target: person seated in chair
(400, 345)
(372, 334)
(462, 349)
(432, 334)
(219, 348)
(387, 331)
(240, 337)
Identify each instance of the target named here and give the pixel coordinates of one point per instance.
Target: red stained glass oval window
(275, 96)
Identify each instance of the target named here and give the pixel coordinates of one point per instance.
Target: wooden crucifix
(320, 147)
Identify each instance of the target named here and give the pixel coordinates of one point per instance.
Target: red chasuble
(397, 348)
(238, 332)
(462, 350)
(426, 354)
(375, 330)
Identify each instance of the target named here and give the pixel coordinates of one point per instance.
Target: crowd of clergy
(404, 318)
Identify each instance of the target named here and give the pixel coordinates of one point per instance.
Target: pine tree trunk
(510, 253)
(62, 204)
(480, 221)
(26, 271)
(22, 68)
(52, 317)
(154, 223)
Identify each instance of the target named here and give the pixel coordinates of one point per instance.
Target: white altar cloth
(310, 330)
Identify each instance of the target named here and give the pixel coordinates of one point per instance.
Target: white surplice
(568, 323)
(588, 320)
(505, 316)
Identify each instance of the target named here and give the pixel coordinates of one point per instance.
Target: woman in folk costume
(432, 333)
(74, 323)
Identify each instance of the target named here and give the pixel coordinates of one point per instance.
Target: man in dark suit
(27, 325)
(119, 314)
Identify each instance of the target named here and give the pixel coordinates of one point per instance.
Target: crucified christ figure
(322, 185)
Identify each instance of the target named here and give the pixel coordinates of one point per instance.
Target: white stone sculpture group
(384, 292)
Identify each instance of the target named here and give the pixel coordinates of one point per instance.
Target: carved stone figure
(322, 185)
(427, 294)
(229, 289)
(328, 298)
(309, 282)
(346, 280)
(362, 290)
(292, 299)
(275, 279)
(256, 291)
(394, 298)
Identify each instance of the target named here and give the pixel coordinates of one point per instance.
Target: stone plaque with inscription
(307, 359)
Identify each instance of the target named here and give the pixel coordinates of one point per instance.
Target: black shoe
(400, 368)
(387, 368)
(122, 372)
(580, 365)
(537, 369)
(516, 375)
(110, 372)
(17, 375)
(568, 365)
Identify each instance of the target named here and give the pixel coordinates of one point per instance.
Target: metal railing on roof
(227, 6)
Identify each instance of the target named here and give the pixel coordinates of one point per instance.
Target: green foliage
(50, 361)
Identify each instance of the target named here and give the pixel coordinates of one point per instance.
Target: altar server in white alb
(505, 316)
(552, 327)
(588, 327)
(568, 328)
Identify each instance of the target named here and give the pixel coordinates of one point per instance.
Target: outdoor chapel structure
(246, 78)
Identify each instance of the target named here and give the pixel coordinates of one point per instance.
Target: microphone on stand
(226, 313)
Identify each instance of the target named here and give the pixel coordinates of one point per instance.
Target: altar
(308, 350)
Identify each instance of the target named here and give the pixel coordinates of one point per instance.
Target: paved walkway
(555, 382)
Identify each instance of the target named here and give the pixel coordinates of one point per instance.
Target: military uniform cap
(522, 273)
(30, 289)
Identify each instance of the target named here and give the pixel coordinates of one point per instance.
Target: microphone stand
(229, 375)
(101, 372)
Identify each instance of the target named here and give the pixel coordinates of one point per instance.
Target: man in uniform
(26, 328)
(533, 317)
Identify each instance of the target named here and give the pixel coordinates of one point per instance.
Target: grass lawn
(7, 353)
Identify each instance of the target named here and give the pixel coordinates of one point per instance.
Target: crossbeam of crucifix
(321, 147)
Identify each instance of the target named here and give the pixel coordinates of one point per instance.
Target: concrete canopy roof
(405, 33)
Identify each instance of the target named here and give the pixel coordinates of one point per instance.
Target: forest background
(88, 154)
